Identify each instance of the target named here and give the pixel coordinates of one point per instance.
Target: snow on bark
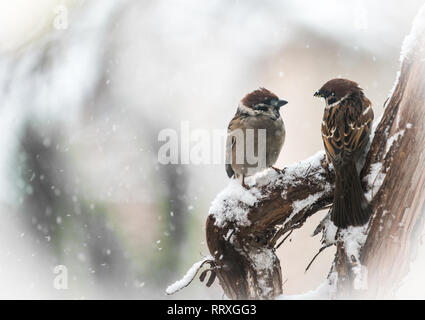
(393, 138)
(354, 239)
(329, 231)
(299, 169)
(299, 205)
(410, 41)
(233, 203)
(263, 261)
(374, 180)
(418, 28)
(324, 291)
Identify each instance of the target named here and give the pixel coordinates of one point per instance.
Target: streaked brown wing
(358, 123)
(330, 132)
(346, 128)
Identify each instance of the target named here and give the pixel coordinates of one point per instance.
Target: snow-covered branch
(282, 201)
(188, 277)
(244, 225)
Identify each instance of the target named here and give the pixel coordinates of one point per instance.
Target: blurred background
(85, 89)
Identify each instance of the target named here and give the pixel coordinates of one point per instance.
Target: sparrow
(257, 129)
(346, 126)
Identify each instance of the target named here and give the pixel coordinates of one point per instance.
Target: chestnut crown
(262, 96)
(336, 89)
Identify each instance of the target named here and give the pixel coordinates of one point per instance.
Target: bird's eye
(267, 100)
(261, 107)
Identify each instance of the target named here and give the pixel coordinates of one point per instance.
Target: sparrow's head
(336, 90)
(263, 101)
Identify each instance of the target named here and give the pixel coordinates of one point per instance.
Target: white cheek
(247, 110)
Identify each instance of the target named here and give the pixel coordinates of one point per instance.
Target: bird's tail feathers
(350, 207)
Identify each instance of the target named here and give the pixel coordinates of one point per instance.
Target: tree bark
(394, 179)
(399, 205)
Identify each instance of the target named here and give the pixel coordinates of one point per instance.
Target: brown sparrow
(255, 135)
(346, 127)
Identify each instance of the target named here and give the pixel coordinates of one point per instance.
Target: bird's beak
(280, 103)
(317, 94)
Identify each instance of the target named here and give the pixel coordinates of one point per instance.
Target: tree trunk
(399, 205)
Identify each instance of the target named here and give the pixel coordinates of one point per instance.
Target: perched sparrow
(345, 132)
(255, 135)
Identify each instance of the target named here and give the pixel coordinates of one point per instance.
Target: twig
(316, 255)
(283, 240)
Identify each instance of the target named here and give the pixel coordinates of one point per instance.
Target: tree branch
(274, 205)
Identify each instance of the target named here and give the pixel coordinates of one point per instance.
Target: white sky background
(377, 26)
(25, 20)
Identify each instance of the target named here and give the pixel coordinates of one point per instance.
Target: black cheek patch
(332, 100)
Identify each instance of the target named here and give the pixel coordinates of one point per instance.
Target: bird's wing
(330, 133)
(346, 128)
(234, 124)
(229, 151)
(358, 123)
